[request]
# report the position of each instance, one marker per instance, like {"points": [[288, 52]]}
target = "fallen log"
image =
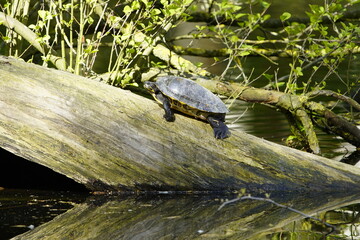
{"points": [[111, 139]]}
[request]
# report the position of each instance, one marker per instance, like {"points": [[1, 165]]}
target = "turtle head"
{"points": [[151, 87]]}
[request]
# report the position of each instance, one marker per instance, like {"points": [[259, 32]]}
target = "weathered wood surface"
{"points": [[190, 217], [110, 139]]}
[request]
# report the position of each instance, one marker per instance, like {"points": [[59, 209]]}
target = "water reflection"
{"points": [[21, 210], [186, 217]]}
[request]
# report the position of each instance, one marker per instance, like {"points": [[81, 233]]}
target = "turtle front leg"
{"points": [[221, 131], [169, 113]]}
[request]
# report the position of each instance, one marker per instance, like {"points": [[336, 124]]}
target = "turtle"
{"points": [[188, 97]]}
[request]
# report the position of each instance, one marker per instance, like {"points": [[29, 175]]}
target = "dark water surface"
{"points": [[23, 210]]}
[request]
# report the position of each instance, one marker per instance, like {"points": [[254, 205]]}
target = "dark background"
{"points": [[19, 173]]}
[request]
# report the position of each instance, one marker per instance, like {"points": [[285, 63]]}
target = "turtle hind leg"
{"points": [[221, 131]]}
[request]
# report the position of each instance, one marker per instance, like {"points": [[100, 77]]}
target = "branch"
{"points": [[273, 22], [334, 123], [329, 93], [31, 37], [177, 61], [294, 105], [225, 52]]}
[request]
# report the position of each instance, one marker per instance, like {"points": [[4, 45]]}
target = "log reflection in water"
{"points": [[181, 217]]}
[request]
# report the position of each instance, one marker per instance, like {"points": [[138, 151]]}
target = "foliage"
{"points": [[315, 46], [323, 41], [79, 29]]}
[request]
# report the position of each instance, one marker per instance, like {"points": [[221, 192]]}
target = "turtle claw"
{"points": [[221, 132], [169, 117]]}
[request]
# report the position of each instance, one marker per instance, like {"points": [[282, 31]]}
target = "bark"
{"points": [[336, 95], [111, 139], [331, 122]]}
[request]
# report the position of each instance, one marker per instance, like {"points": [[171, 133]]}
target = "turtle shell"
{"points": [[190, 93]]}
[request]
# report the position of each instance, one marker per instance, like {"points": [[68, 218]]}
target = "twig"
{"points": [[333, 228]]}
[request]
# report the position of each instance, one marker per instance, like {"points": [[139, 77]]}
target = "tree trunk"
{"points": [[111, 139]]}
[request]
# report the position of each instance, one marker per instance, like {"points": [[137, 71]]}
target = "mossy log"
{"points": [[111, 139]]}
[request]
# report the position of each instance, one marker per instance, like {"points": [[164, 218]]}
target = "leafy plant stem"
{"points": [[80, 38]]}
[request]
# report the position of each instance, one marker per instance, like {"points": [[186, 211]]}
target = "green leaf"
{"points": [[42, 14], [90, 20], [135, 5], [127, 9], [268, 76], [285, 16], [155, 11], [298, 71], [244, 53], [265, 4], [234, 39], [32, 26], [45, 15], [279, 84], [6, 39], [291, 137], [240, 15]]}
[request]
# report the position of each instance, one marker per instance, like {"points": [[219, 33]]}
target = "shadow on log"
{"points": [[111, 139], [189, 217]]}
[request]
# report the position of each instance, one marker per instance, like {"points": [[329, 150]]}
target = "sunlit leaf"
{"points": [[285, 16], [127, 9]]}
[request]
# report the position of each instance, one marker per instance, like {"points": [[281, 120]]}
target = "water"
{"points": [[23, 210], [165, 216]]}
